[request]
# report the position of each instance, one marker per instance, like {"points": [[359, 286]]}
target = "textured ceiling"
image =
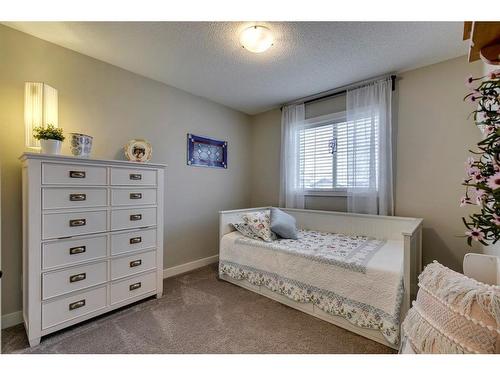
{"points": [[205, 58]]}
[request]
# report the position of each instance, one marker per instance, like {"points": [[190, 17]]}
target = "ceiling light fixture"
{"points": [[256, 39]]}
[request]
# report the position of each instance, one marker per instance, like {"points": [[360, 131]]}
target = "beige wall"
{"points": [[433, 136], [266, 140], [115, 106]]}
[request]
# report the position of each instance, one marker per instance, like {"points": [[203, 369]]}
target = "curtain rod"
{"points": [[341, 90]]}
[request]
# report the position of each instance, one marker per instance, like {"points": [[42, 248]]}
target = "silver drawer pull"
{"points": [[135, 217], [135, 240], [77, 222], [76, 278], [76, 174], [135, 263], [77, 197], [135, 195], [135, 176], [77, 250], [76, 305], [135, 286]]}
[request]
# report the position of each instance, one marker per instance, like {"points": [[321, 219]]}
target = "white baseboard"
{"points": [[186, 267], [9, 320]]}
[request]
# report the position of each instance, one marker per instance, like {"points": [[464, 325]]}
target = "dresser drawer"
{"points": [[74, 197], [133, 218], [67, 252], [132, 264], [132, 287], [65, 309], [59, 225], [133, 241], [74, 278], [129, 176], [74, 174], [122, 197]]}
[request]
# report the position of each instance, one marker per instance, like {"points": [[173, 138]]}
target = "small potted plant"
{"points": [[50, 138]]}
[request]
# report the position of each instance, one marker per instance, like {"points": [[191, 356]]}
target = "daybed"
{"points": [[355, 271]]}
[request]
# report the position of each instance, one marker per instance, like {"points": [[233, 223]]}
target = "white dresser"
{"points": [[92, 238]]}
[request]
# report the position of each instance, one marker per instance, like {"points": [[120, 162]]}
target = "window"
{"points": [[327, 150]]}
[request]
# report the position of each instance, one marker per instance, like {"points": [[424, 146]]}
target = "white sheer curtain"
{"points": [[291, 193], [369, 153]]}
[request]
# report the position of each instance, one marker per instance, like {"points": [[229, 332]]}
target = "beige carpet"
{"points": [[199, 314]]}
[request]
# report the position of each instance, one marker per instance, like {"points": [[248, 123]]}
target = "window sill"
{"points": [[326, 193]]}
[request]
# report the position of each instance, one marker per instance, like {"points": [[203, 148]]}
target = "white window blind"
{"points": [[326, 151]]}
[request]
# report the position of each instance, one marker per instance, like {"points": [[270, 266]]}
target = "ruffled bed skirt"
{"points": [[359, 314]]}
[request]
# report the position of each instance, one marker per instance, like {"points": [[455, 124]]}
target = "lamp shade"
{"points": [[40, 109]]}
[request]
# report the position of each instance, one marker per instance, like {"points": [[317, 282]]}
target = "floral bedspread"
{"points": [[354, 277], [347, 251]]}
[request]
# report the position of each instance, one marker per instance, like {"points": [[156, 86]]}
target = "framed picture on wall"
{"points": [[206, 152]]}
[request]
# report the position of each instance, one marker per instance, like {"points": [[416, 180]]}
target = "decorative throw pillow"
{"points": [[282, 224], [245, 230], [260, 224], [453, 314]]}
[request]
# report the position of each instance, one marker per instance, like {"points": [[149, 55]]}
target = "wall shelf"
{"points": [[484, 41]]}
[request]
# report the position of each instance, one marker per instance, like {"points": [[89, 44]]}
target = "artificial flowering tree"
{"points": [[483, 166]]}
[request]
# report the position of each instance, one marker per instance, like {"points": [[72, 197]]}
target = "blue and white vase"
{"points": [[80, 144]]}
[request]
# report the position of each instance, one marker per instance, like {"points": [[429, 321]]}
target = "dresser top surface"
{"points": [[72, 159]]}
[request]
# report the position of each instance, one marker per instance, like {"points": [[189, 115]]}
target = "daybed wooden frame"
{"points": [[409, 230]]}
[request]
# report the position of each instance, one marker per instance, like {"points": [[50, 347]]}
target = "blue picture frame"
{"points": [[206, 152]]}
